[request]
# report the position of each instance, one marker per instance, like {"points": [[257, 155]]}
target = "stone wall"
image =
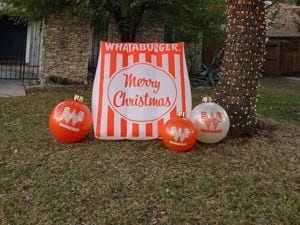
{"points": [[193, 55], [152, 30], [113, 34], [65, 47], [66, 40]]}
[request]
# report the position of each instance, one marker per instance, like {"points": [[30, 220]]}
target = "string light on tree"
{"points": [[242, 63]]}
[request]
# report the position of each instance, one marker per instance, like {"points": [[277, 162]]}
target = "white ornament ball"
{"points": [[211, 122]]}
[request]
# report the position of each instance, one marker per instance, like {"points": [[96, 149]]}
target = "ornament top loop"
{"points": [[207, 99], [181, 114], [78, 98]]}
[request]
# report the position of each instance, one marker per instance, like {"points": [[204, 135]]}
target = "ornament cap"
{"points": [[207, 99], [78, 98], [181, 114]]}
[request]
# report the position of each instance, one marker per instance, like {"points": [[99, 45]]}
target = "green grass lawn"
{"points": [[280, 99], [237, 181]]}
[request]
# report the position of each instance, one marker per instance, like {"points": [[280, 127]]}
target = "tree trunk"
{"points": [[242, 64], [128, 20]]}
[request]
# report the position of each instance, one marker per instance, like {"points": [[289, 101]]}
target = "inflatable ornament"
{"points": [[71, 120], [179, 133], [210, 120]]}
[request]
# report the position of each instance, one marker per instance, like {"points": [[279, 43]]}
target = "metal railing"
{"points": [[18, 70], [20, 54]]}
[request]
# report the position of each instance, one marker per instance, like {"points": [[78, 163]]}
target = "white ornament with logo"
{"points": [[211, 121]]}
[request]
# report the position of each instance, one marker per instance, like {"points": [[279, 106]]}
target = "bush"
{"points": [[207, 75], [58, 80]]}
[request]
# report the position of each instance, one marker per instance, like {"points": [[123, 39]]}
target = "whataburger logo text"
{"points": [[142, 92], [180, 134], [71, 116], [142, 47], [211, 121]]}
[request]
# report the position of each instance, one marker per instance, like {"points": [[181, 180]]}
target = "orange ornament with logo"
{"points": [[179, 133], [71, 120]]}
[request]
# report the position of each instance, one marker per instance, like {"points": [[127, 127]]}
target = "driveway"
{"points": [[10, 88]]}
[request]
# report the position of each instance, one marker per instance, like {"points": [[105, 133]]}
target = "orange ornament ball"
{"points": [[179, 133], [71, 120]]}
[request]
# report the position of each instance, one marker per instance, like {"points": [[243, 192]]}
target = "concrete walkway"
{"points": [[10, 88]]}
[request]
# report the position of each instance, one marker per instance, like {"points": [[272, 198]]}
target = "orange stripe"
{"points": [[149, 126], [136, 57], [123, 121], [182, 79], [135, 126], [113, 64], [125, 60], [110, 122], [173, 112], [149, 130], [172, 72], [160, 123], [110, 113], [101, 78], [159, 60], [135, 130], [148, 57], [123, 128], [171, 65]]}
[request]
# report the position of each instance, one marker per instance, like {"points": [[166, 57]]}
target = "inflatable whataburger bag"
{"points": [[137, 88]]}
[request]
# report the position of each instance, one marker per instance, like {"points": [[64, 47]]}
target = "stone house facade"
{"points": [[66, 43], [63, 45]]}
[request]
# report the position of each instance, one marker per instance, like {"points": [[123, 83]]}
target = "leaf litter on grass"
{"points": [[236, 181]]}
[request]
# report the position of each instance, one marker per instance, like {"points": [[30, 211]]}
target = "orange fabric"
{"points": [[99, 116]]}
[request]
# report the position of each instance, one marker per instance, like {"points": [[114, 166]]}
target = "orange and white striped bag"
{"points": [[137, 88]]}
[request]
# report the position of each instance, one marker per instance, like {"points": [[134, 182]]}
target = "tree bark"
{"points": [[241, 65]]}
